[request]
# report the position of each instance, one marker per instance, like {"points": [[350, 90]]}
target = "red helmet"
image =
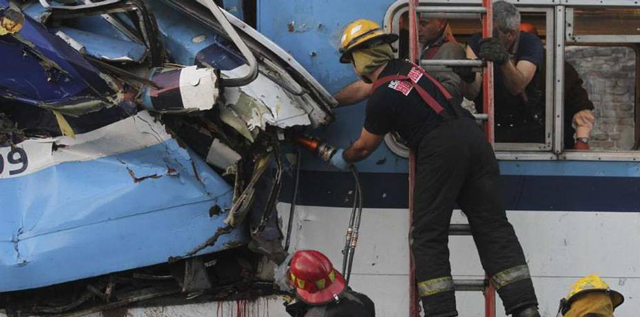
{"points": [[314, 278]]}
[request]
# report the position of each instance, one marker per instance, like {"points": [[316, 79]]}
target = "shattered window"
{"points": [[609, 76]]}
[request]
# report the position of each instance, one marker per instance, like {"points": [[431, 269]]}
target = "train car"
{"points": [[575, 212]]}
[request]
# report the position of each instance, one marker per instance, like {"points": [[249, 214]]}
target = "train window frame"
{"points": [[570, 38], [560, 7], [509, 151]]}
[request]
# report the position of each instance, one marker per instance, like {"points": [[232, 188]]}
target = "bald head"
{"points": [[430, 29]]}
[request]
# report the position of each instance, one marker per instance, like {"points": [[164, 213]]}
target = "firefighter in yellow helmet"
{"points": [[454, 163], [360, 44], [590, 297]]}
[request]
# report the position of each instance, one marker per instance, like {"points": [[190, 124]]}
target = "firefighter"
{"points": [[455, 164], [590, 297], [321, 290], [436, 42]]}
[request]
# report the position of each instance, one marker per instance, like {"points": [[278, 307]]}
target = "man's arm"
{"points": [[471, 90], [353, 93], [577, 103], [450, 80], [362, 147], [516, 78]]}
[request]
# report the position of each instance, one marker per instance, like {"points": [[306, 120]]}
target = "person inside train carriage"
{"points": [[436, 42], [578, 118], [455, 164], [517, 57], [321, 291]]}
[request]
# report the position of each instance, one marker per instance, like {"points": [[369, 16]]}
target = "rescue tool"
{"points": [[325, 151]]}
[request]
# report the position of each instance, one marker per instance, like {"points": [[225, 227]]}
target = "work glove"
{"points": [[465, 72], [579, 145], [492, 50], [338, 161]]}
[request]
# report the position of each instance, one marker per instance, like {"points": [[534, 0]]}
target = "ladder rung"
{"points": [[468, 285], [441, 69], [442, 65], [459, 229], [450, 15], [442, 9], [451, 62]]}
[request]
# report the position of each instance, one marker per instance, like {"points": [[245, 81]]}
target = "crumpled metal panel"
{"points": [[275, 89], [120, 197], [51, 73], [105, 47]]}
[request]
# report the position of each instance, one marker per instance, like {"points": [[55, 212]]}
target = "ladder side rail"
{"points": [[488, 108], [413, 56]]}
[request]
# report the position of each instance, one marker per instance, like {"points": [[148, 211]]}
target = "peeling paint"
{"points": [[210, 242], [45, 62], [16, 247], [196, 174], [215, 210], [199, 39], [140, 179]]}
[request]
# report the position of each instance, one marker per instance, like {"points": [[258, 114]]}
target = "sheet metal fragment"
{"points": [[181, 90], [221, 155]]}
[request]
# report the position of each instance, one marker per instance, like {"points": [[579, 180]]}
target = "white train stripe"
{"points": [[130, 134]]}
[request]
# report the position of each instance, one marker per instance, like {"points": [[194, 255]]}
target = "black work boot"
{"points": [[531, 311]]}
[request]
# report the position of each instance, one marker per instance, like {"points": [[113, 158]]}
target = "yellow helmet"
{"points": [[593, 283], [362, 33]]}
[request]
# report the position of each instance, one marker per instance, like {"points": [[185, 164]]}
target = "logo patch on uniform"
{"points": [[415, 75], [401, 86]]}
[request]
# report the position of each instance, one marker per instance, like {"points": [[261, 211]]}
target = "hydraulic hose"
{"points": [[325, 151], [292, 209], [351, 240]]}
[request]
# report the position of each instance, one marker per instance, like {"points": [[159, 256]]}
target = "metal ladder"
{"points": [[486, 13]]}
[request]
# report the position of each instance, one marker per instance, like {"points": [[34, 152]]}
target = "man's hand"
{"points": [[492, 50], [337, 160], [583, 123]]}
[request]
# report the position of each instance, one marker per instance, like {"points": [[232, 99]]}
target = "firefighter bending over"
{"points": [[321, 290], [436, 42], [455, 164]]}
